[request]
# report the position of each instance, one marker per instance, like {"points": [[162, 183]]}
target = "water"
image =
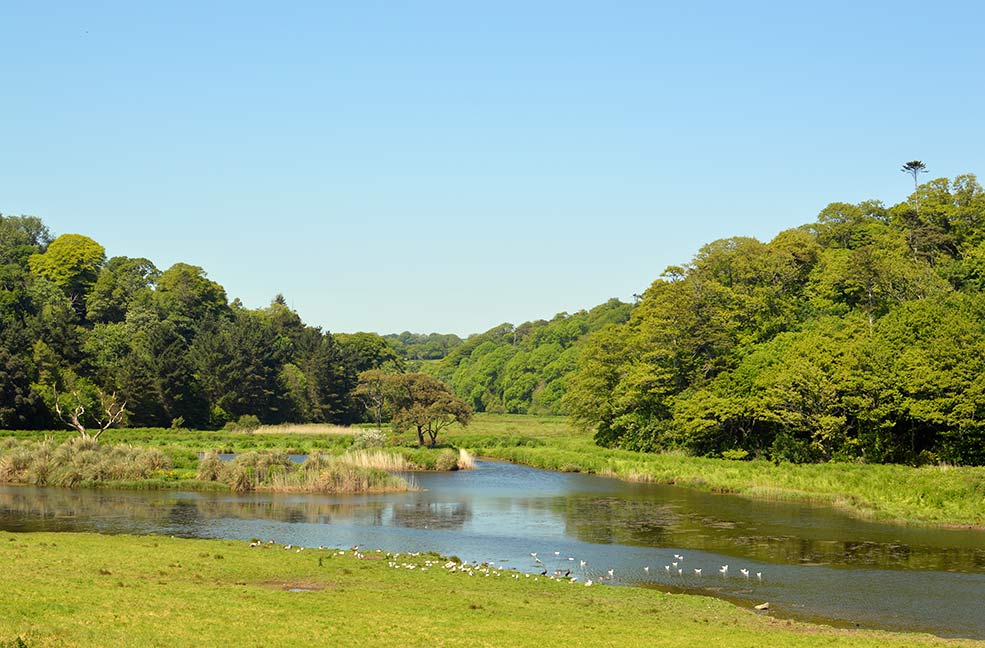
{"points": [[816, 564]]}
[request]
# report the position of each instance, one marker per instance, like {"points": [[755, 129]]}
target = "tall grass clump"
{"points": [[465, 460], [76, 462], [377, 459]]}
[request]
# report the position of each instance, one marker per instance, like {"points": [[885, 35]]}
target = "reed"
{"points": [[465, 460], [304, 428], [377, 459]]}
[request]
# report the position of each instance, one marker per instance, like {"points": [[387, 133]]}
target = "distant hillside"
{"points": [[522, 369]]}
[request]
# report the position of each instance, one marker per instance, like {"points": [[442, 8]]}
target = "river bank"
{"points": [[945, 496], [82, 589], [942, 496]]}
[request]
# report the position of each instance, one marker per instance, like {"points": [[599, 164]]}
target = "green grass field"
{"points": [[67, 589]]}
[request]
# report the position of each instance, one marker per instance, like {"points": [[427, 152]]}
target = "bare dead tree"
{"points": [[112, 413]]}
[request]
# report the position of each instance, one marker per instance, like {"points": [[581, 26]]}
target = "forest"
{"points": [[859, 337], [81, 330]]}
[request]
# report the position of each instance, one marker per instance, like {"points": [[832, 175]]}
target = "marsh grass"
{"points": [[273, 471], [465, 460], [377, 459], [305, 428], [337, 477], [77, 461], [928, 495]]}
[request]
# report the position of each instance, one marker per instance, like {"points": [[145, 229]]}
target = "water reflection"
{"points": [[816, 563]]}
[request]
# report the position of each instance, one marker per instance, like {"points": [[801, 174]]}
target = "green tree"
{"points": [[72, 263], [425, 404]]}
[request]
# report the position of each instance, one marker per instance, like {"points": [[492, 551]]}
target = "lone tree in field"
{"points": [[915, 168], [424, 403]]}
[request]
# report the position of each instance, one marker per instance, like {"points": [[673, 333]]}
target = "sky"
{"points": [[450, 166]]}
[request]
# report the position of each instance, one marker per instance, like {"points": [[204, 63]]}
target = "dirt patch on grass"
{"points": [[298, 585]]}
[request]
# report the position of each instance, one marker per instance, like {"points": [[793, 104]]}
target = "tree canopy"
{"points": [[857, 337]]}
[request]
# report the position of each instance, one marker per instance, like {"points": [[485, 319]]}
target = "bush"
{"points": [[365, 439], [447, 459], [248, 423], [736, 454]]}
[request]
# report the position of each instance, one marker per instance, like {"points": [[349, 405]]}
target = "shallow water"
{"points": [[815, 563]]}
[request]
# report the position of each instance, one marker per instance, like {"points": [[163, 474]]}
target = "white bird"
{"points": [[680, 572], [582, 563], [533, 554], [646, 569], [724, 570], [588, 583], [667, 568], [674, 565], [557, 553], [697, 572], [744, 572], [759, 575], [610, 573]]}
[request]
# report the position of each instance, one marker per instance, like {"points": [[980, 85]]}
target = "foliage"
{"points": [[522, 369], [855, 338], [426, 405], [166, 343]]}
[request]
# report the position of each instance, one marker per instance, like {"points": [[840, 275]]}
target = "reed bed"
{"points": [[273, 471], [304, 428], [378, 459], [77, 462]]}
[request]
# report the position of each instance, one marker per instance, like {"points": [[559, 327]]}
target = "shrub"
{"points": [[364, 439], [247, 423], [737, 454], [447, 459]]}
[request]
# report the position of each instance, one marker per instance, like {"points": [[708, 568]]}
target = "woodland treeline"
{"points": [[860, 336], [77, 328], [523, 369]]}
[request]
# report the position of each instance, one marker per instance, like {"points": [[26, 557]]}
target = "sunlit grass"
{"points": [[73, 590]]}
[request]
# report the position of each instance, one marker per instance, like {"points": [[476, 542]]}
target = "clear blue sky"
{"points": [[448, 166]]}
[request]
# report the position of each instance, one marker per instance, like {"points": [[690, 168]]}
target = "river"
{"points": [[813, 563]]}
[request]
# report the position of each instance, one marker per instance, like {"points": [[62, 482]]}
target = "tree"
{"points": [[426, 404], [915, 168], [111, 412], [374, 391], [185, 294], [72, 262]]}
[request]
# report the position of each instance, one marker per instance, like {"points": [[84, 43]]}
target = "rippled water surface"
{"points": [[814, 563]]}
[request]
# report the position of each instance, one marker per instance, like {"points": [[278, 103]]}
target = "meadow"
{"points": [[78, 589]]}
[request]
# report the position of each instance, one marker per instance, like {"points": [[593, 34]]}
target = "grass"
{"points": [[70, 590], [929, 495]]}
